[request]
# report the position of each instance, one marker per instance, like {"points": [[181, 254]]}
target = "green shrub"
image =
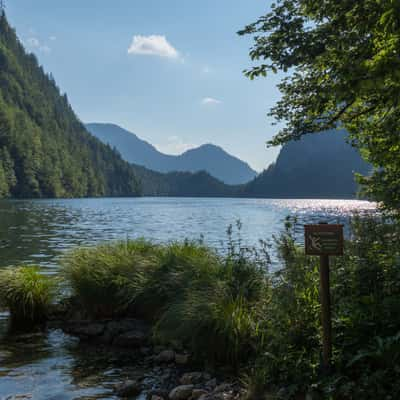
{"points": [[27, 294], [365, 293], [231, 309], [189, 291], [213, 312], [106, 279]]}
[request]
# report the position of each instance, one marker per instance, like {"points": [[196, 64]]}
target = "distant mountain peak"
{"points": [[208, 157]]}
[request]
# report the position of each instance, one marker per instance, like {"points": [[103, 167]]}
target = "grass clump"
{"points": [[365, 294], [230, 309], [106, 280], [187, 290], [27, 294]]}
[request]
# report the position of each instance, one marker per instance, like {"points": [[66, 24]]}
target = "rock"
{"points": [[165, 356], [145, 351], [85, 329], [155, 397], [134, 338], [224, 387], [158, 349], [216, 396], [206, 376], [128, 388], [182, 359], [197, 393], [191, 378], [182, 392], [161, 394], [211, 384]]}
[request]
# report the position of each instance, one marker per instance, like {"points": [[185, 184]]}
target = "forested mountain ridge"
{"points": [[45, 151], [316, 166], [182, 184], [208, 157]]}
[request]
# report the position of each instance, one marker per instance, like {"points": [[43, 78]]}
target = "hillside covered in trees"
{"points": [[317, 166], [45, 151], [207, 157]]}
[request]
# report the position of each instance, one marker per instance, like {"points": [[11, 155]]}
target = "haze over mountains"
{"points": [[45, 151], [317, 166], [208, 157]]}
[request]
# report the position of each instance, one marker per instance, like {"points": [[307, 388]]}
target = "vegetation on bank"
{"points": [[232, 310], [45, 151], [27, 294], [342, 70]]}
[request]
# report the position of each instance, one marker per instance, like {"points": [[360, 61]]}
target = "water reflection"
{"points": [[38, 231], [52, 365]]}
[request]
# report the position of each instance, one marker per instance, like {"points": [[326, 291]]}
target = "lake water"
{"points": [[39, 231], [53, 366]]}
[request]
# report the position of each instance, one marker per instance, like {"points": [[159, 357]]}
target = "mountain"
{"points": [[182, 184], [316, 166], [209, 158], [45, 151]]}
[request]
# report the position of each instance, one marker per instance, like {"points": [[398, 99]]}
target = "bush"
{"points": [[365, 293], [27, 294], [230, 309], [187, 290], [106, 280]]}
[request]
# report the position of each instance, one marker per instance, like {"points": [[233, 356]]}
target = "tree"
{"points": [[342, 59]]}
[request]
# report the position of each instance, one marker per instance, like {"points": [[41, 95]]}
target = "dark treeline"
{"points": [[45, 151]]}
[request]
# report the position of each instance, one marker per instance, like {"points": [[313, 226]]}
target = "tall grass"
{"points": [[27, 294], [230, 309], [189, 291], [107, 279]]}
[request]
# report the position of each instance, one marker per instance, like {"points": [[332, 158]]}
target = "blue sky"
{"points": [[169, 71]]}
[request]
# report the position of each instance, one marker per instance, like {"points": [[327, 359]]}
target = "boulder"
{"points": [[160, 393], [128, 388], [165, 356], [223, 387], [85, 329], [211, 384], [182, 392], [132, 339], [181, 359], [191, 378], [197, 393]]}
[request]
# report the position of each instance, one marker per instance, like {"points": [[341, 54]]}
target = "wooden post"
{"points": [[324, 240], [326, 312]]}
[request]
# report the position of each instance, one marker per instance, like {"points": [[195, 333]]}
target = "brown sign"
{"points": [[324, 240]]}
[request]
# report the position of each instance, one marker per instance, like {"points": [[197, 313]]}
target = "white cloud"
{"points": [[34, 43], [45, 49], [206, 69], [210, 101], [52, 38], [174, 145], [153, 45]]}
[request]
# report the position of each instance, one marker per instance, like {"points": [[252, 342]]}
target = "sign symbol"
{"points": [[315, 242]]}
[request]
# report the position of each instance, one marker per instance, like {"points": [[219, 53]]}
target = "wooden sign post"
{"points": [[324, 240]]}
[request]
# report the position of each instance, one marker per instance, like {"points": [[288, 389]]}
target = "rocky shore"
{"points": [[173, 374]]}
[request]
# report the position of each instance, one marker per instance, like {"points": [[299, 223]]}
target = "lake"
{"points": [[39, 231], [53, 366]]}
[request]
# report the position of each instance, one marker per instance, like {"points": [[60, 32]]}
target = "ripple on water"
{"points": [[52, 366]]}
